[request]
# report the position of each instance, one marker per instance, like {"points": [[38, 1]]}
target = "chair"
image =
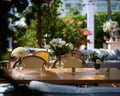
{"points": [[69, 62], [43, 54], [33, 62], [81, 56]]}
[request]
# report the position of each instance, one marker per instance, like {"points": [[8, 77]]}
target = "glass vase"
{"points": [[59, 65], [19, 65], [111, 37]]}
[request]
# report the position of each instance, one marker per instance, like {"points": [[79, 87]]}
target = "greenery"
{"points": [[71, 28], [63, 29], [75, 29]]}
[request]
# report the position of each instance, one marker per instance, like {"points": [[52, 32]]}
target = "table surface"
{"points": [[80, 76]]}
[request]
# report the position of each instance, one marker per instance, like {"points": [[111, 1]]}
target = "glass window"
{"points": [[73, 0], [119, 7], [115, 0], [114, 7], [102, 7], [67, 6], [79, 7], [100, 0]]}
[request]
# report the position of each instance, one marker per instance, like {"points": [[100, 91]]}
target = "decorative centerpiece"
{"points": [[96, 59], [110, 27], [19, 53], [60, 47]]}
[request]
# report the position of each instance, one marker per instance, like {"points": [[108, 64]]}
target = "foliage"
{"points": [[61, 28], [28, 36], [47, 14], [71, 29], [54, 26], [75, 30], [99, 19], [51, 24]]}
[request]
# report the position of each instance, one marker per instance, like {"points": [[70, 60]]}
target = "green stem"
{"points": [[59, 59]]}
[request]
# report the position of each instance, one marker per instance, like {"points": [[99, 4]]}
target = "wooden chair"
{"points": [[80, 55], [43, 54], [33, 62], [69, 62]]}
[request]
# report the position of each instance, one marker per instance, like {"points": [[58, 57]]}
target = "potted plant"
{"points": [[111, 27], [96, 59]]}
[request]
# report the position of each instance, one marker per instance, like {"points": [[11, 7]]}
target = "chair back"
{"points": [[33, 62], [81, 56], [43, 54], [71, 61]]}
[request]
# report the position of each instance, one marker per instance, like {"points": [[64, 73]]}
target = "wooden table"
{"points": [[81, 76]]}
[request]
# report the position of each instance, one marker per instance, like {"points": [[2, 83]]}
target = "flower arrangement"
{"points": [[19, 52], [60, 47], [110, 26], [94, 57]]}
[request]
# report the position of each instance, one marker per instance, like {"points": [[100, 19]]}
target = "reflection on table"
{"points": [[80, 76]]}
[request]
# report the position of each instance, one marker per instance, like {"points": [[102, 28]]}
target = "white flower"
{"points": [[70, 46], [110, 26], [19, 52], [47, 46], [60, 47], [57, 42], [61, 43], [98, 61]]}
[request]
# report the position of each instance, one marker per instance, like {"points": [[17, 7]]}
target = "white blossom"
{"points": [[20, 23], [110, 26], [98, 61], [57, 42], [60, 46], [70, 46], [19, 52]]}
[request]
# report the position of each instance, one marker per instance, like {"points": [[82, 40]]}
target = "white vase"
{"points": [[111, 37]]}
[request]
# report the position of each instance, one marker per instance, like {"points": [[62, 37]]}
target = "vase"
{"points": [[96, 66], [19, 65], [59, 65], [111, 37]]}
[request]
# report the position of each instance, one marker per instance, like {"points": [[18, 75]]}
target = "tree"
{"points": [[109, 9], [46, 16]]}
